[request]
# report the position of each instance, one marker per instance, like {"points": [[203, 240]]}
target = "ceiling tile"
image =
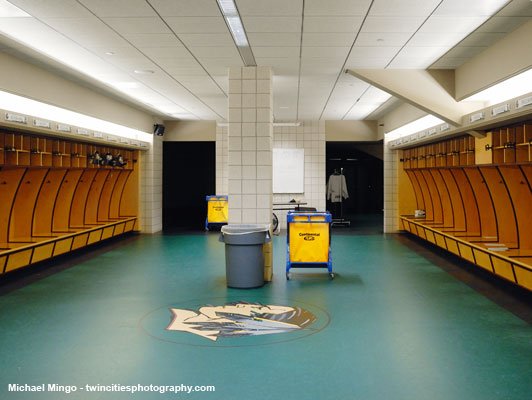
{"points": [[471, 8], [367, 63], [119, 8], [436, 39], [272, 24], [502, 24], [336, 7], [176, 62], [118, 51], [265, 51], [392, 24], [438, 23], [196, 70], [166, 52], [332, 24], [281, 66], [52, 8], [274, 39], [373, 52], [86, 31], [186, 8], [382, 39], [270, 7], [405, 8], [137, 25], [402, 62], [328, 39], [153, 39], [424, 51], [197, 24], [311, 69], [337, 52], [222, 62], [215, 51], [207, 39]]}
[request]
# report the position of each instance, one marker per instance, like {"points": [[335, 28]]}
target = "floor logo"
{"points": [[234, 322], [240, 319]]}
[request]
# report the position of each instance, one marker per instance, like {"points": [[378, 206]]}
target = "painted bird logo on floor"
{"points": [[240, 319]]}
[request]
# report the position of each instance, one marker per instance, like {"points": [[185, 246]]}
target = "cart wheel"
{"points": [[331, 275], [287, 276]]}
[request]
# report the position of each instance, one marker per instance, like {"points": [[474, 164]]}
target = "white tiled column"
{"points": [[151, 192], [391, 207], [250, 145], [221, 160]]}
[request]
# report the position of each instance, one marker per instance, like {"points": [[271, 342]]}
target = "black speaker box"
{"points": [[158, 129]]}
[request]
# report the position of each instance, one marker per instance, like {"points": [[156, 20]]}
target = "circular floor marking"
{"points": [[231, 321]]}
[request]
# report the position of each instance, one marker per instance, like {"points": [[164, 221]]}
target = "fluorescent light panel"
{"points": [[234, 22], [415, 126], [23, 105], [508, 89]]}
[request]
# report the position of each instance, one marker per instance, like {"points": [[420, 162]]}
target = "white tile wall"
{"points": [[151, 194], [310, 135], [222, 146], [391, 212], [248, 153]]}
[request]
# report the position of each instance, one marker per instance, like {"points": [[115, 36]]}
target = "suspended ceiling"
{"points": [[309, 44]]}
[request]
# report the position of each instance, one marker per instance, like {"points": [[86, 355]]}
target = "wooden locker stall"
{"points": [[54, 198], [477, 199]]}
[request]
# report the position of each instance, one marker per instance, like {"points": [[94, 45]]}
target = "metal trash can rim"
{"points": [[242, 229]]}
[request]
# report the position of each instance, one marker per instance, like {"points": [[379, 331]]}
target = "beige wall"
{"points": [[402, 115], [190, 131], [351, 131], [27, 80], [505, 58]]}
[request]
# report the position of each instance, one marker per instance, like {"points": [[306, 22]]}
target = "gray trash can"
{"points": [[244, 260]]}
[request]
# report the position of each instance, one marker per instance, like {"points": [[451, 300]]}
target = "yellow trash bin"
{"points": [[217, 211], [309, 240]]}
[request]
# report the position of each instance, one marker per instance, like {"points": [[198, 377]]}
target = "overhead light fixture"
{"points": [[234, 23], [415, 126], [23, 105], [110, 53], [144, 71], [8, 10], [510, 88]]}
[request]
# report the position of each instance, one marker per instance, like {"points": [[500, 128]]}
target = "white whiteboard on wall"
{"points": [[288, 170]]}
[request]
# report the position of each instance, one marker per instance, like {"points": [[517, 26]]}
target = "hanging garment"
{"points": [[336, 188]]}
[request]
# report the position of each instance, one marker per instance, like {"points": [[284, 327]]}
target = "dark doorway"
{"points": [[188, 176], [363, 170]]}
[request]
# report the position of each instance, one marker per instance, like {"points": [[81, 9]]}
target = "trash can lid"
{"points": [[234, 229]]}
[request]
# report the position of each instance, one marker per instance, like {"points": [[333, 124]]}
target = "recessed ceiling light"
{"points": [[143, 71], [110, 53]]}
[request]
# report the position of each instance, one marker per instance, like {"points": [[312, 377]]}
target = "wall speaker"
{"points": [[158, 129]]}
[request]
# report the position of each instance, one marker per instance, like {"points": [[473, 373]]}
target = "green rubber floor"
{"points": [[390, 326]]}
